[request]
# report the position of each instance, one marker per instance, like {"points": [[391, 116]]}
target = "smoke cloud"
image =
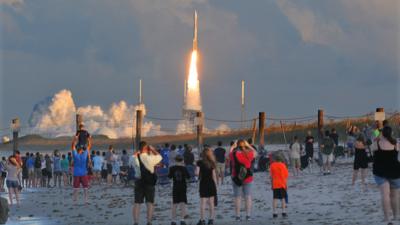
{"points": [[55, 116]]}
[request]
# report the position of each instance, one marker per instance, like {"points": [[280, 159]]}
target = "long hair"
{"points": [[13, 160], [387, 133], [208, 159]]}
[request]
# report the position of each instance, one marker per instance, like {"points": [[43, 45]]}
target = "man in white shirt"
{"points": [[295, 149], [144, 162]]}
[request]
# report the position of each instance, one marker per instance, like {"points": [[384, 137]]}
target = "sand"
{"points": [[313, 199]]}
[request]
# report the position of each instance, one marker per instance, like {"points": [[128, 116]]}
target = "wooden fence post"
{"points": [[261, 128], [199, 131], [139, 121], [15, 128]]}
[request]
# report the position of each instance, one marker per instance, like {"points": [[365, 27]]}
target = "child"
{"points": [[279, 174], [179, 174]]}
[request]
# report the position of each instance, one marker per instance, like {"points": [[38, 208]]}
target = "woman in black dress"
{"points": [[360, 161], [205, 170]]}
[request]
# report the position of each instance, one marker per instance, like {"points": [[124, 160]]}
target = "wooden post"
{"points": [[15, 129], [78, 120], [254, 128], [320, 125], [199, 125], [261, 128], [139, 121]]}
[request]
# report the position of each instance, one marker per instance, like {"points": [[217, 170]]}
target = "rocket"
{"points": [[195, 32]]}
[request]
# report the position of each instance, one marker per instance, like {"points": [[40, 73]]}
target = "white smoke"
{"points": [[222, 128], [55, 116], [5, 140]]}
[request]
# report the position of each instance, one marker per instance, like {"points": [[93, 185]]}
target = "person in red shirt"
{"points": [[279, 175], [242, 154]]}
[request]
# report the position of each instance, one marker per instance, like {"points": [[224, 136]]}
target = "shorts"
{"points": [[179, 196], [394, 183], [38, 173], [221, 169], [3, 174], [245, 189], [279, 193], [78, 180], [12, 184], [31, 172], [48, 173], [144, 192], [109, 169], [104, 174], [325, 158], [363, 164], [295, 162], [57, 173]]}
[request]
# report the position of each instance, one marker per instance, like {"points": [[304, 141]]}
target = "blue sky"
{"points": [[296, 55]]}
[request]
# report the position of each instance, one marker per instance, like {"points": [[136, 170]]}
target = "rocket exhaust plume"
{"points": [[193, 99]]}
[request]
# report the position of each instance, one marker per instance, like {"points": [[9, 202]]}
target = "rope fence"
{"points": [[156, 125]]}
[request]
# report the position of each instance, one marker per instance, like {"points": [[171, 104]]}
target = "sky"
{"points": [[295, 55]]}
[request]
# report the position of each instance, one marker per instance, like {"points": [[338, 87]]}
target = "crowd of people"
{"points": [[149, 166]]}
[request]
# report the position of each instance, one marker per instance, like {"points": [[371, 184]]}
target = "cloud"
{"points": [[13, 3], [312, 28], [357, 28]]}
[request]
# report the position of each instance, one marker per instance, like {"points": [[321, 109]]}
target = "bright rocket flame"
{"points": [[193, 79], [193, 99]]}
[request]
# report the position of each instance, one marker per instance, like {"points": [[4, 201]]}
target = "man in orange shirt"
{"points": [[279, 174]]}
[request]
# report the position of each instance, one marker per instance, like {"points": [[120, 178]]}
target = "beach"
{"points": [[313, 199]]}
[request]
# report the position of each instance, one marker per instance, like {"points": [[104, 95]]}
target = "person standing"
{"points": [[64, 168], [295, 150], [335, 137], [124, 161], [25, 171], [241, 157], [80, 159], [38, 170], [97, 167], [165, 155], [220, 157], [30, 163], [109, 162], [309, 147], [57, 168], [327, 147], [179, 174], [386, 170], [48, 169], [144, 162], [279, 174], [205, 170], [13, 169], [360, 161], [188, 159]]}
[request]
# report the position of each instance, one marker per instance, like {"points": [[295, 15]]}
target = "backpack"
{"points": [[241, 171], [38, 163], [146, 178]]}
